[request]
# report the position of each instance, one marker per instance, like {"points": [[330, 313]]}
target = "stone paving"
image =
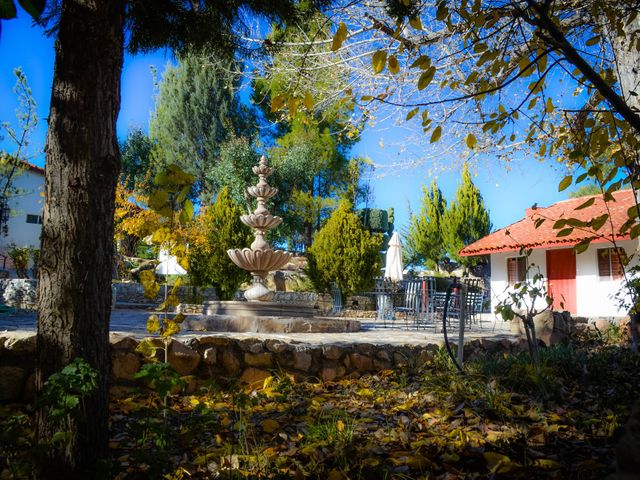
{"points": [[133, 322]]}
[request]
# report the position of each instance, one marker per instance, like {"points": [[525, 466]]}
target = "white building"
{"points": [[25, 217], [584, 284]]}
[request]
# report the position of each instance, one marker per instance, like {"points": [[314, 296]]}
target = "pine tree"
{"points": [[425, 239], [222, 229], [344, 252], [466, 221]]}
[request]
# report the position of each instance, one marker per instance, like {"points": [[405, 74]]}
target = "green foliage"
{"points": [[20, 258], [161, 377], [222, 230], [136, 168], [425, 240], [196, 111], [345, 252], [375, 219], [64, 391], [466, 220]]}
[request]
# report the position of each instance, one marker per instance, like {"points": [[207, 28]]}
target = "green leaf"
{"points": [[426, 77], [598, 222], [471, 141], [564, 232], [565, 182], [32, 7], [549, 106], [378, 61], [593, 40], [582, 245], [339, 37], [416, 23], [394, 66], [435, 136], [422, 61], [7, 9], [586, 204], [412, 113], [442, 12]]}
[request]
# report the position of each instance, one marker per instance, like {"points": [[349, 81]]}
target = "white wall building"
{"points": [[584, 284], [25, 218]]}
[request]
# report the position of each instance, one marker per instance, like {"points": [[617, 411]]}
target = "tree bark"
{"points": [[82, 165]]}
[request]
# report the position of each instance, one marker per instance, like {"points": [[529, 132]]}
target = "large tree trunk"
{"points": [[82, 165]]}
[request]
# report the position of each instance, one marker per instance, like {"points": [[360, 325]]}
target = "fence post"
{"points": [[463, 321]]}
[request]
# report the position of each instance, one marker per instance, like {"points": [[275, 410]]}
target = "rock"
{"points": [[400, 360], [230, 362], [361, 363], [276, 346], [121, 391], [328, 374], [258, 359], [184, 359], [214, 341], [551, 327], [602, 324], [379, 365], [11, 383], [383, 355], [251, 345], [301, 361], [209, 356], [254, 377], [625, 328], [21, 343], [122, 342], [332, 352], [124, 365]]}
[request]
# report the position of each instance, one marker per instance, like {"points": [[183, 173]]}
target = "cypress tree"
{"points": [[425, 239], [345, 252], [222, 229], [466, 221]]}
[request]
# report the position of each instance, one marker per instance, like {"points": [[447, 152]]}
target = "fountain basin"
{"points": [[271, 324]]}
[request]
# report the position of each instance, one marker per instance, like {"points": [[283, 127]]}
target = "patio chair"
{"points": [[337, 299], [410, 303]]}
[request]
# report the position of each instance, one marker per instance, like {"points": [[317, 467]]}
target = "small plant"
{"points": [[20, 258], [522, 302]]}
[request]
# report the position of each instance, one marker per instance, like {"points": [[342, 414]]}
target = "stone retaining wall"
{"points": [[250, 360], [133, 293]]}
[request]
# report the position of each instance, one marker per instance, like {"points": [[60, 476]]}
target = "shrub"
{"points": [[20, 258], [344, 252], [221, 229]]}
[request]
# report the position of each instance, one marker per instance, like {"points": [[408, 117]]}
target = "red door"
{"points": [[561, 278]]}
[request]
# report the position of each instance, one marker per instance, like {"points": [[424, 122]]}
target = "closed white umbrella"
{"points": [[393, 264], [169, 265]]}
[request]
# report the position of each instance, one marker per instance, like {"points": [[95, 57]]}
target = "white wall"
{"points": [[594, 296], [28, 201], [499, 279]]}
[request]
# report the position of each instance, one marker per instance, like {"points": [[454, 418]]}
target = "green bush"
{"points": [[345, 252], [209, 263], [20, 259]]}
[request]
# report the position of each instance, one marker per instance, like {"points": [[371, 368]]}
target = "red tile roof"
{"points": [[525, 234]]}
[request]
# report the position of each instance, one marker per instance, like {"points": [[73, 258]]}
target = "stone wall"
{"points": [[250, 360], [133, 293]]}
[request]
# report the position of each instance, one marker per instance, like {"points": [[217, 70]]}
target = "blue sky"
{"points": [[507, 192]]}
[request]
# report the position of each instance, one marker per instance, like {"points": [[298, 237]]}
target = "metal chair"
{"points": [[337, 299], [410, 302]]}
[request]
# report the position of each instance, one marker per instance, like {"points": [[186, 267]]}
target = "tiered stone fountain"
{"points": [[259, 313]]}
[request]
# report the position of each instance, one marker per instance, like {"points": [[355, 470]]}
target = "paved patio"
{"points": [[133, 322]]}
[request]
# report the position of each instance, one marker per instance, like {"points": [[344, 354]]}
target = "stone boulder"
{"points": [[551, 327], [11, 383], [184, 359]]}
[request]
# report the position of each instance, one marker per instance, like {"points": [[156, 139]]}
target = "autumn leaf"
{"points": [[379, 61], [270, 426]]}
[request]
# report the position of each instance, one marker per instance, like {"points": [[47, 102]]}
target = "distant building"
{"points": [[585, 283], [25, 213]]}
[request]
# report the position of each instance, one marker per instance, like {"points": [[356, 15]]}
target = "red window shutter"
{"points": [[512, 270], [522, 269], [604, 264], [618, 259]]}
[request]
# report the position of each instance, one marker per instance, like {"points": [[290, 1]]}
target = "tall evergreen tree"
{"points": [[221, 229], [83, 165], [135, 171], [466, 221], [426, 237], [196, 111]]}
